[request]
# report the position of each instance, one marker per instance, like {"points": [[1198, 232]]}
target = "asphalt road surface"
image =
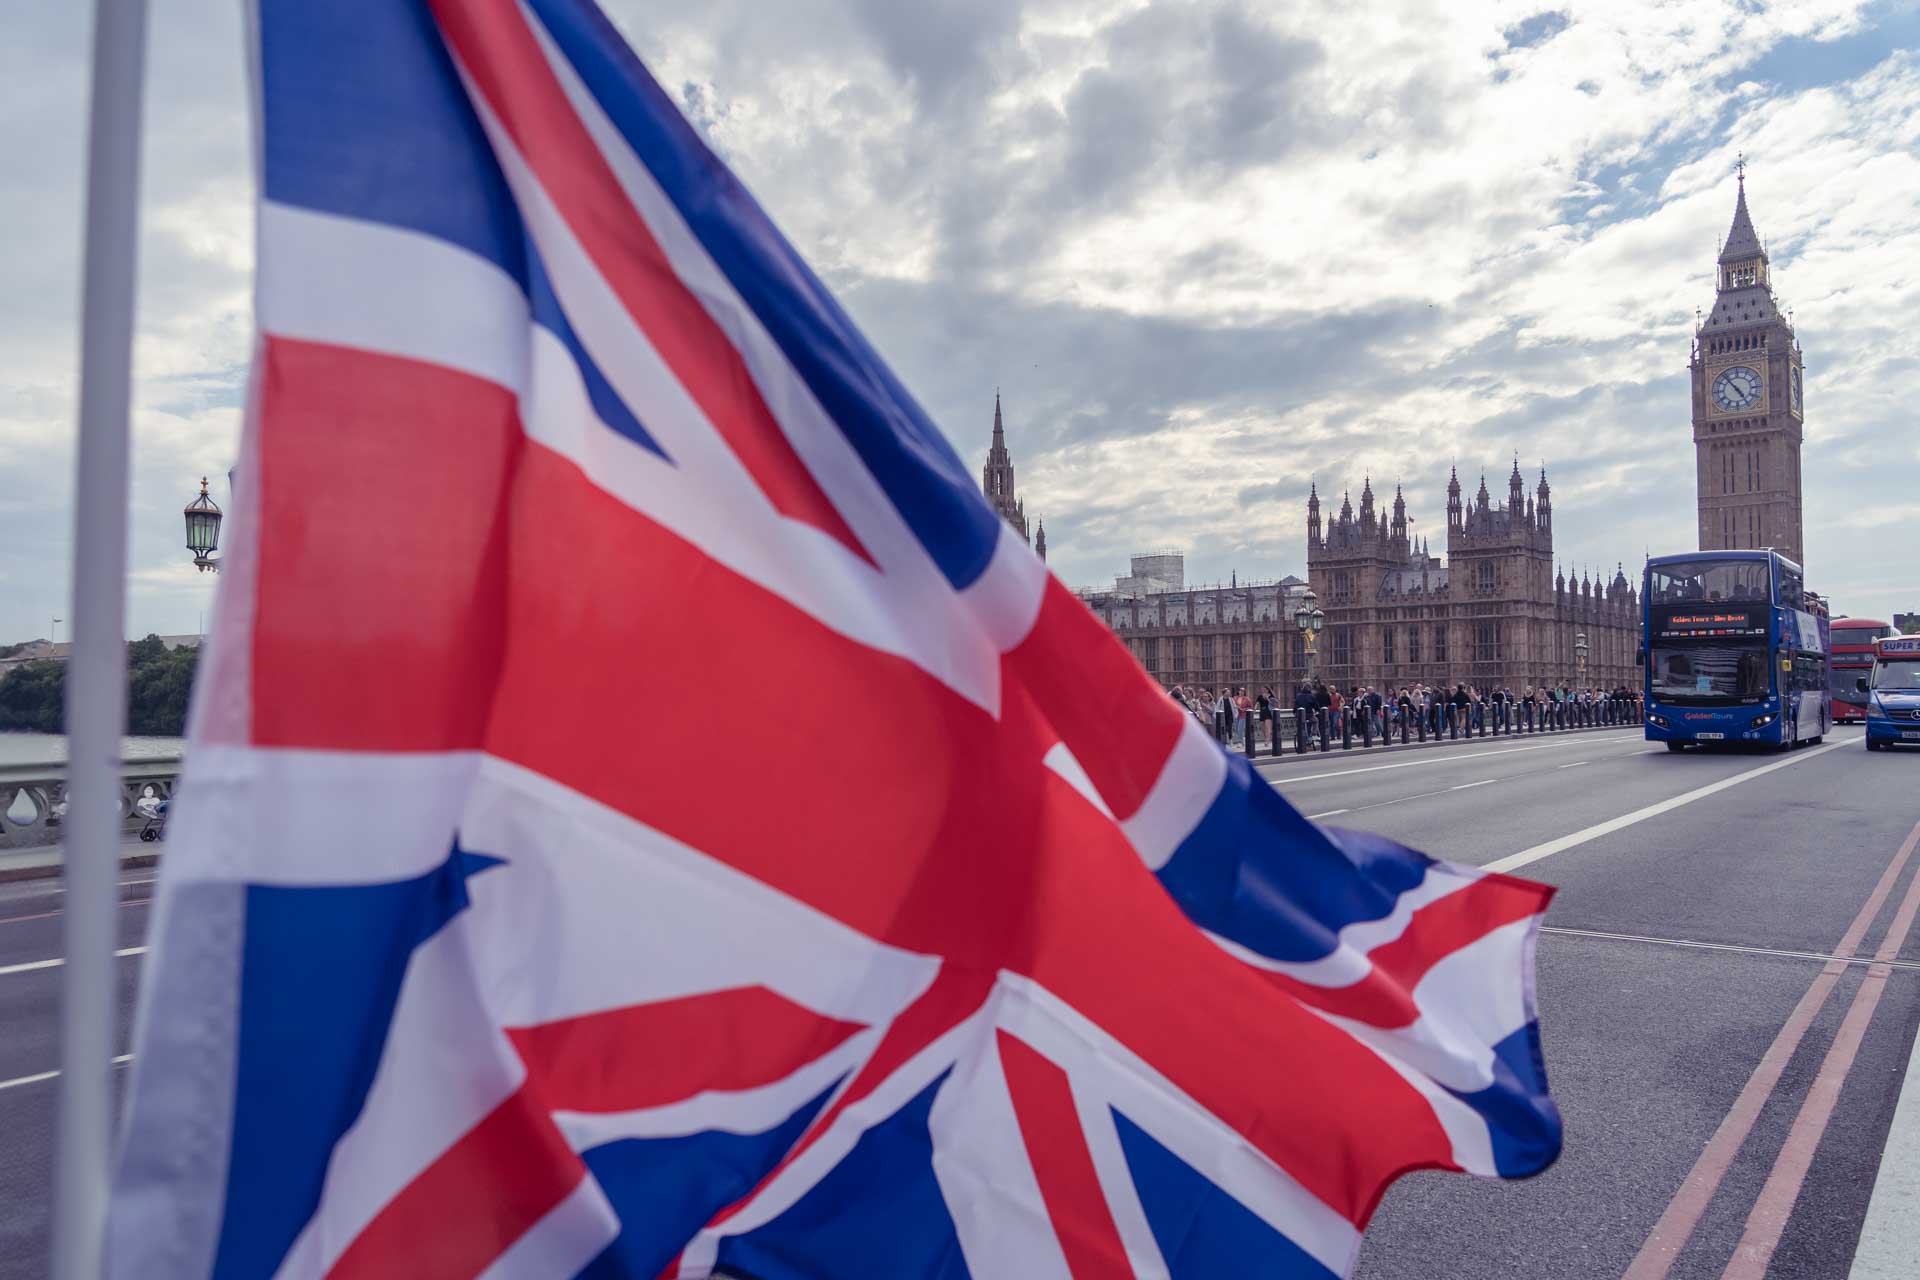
{"points": [[1727, 1085]]}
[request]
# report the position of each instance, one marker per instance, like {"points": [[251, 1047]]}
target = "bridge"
{"points": [[1729, 986]]}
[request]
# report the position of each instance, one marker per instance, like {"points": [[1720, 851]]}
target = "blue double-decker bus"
{"points": [[1735, 650]]}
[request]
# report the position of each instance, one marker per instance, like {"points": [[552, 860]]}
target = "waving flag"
{"points": [[647, 816]]}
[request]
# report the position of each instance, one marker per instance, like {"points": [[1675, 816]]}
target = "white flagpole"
{"points": [[97, 671]]}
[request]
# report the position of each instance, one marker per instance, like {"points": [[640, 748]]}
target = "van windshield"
{"points": [[1896, 677]]}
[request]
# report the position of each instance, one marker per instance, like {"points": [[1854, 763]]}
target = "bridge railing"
{"points": [[33, 797]]}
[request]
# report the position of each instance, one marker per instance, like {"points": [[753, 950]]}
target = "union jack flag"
{"points": [[647, 816]]}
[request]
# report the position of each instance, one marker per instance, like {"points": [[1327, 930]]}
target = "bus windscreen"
{"points": [[1709, 582], [1706, 672]]}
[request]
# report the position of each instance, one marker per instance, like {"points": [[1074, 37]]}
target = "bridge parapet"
{"points": [[33, 797]]}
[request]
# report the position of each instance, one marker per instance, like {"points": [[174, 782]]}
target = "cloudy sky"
{"points": [[1208, 251]]}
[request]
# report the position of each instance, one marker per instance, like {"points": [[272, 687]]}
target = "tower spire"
{"points": [[1743, 242], [996, 479]]}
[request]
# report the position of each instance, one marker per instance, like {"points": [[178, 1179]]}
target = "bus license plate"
{"points": [[1710, 737], [1910, 733]]}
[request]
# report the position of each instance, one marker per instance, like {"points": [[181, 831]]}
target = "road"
{"points": [[1683, 951]]}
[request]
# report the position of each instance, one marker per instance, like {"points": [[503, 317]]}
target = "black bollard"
{"points": [[1366, 728], [1253, 740], [1346, 729]]}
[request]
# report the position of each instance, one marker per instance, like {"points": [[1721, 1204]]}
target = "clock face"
{"points": [[1736, 388]]}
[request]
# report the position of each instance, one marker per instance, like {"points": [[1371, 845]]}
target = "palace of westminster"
{"points": [[1494, 611]]}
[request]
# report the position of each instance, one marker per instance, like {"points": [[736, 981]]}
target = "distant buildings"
{"points": [[48, 651], [1907, 623]]}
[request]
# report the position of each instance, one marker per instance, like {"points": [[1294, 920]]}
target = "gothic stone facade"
{"points": [[1747, 411], [1493, 613], [1207, 637]]}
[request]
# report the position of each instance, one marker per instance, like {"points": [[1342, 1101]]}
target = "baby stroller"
{"points": [[154, 810]]}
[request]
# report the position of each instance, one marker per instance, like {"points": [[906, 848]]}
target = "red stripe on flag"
{"points": [[508, 1172], [909, 814], [649, 1055], [379, 616], [1384, 998], [1123, 736], [1057, 1147], [497, 50]]}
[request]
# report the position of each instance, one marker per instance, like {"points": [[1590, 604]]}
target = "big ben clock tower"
{"points": [[1747, 410]]}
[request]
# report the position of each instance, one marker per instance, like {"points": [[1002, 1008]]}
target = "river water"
{"points": [[37, 748]]}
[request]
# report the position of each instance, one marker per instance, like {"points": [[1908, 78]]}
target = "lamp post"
{"points": [[1580, 657], [203, 530], [1308, 617]]}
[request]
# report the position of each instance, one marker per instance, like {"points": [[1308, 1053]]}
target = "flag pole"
{"points": [[96, 692]]}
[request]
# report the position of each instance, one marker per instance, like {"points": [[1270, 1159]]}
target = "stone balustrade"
{"points": [[33, 797]]}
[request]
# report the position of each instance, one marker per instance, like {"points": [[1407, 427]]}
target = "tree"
{"points": [[159, 686], [159, 682], [31, 697]]}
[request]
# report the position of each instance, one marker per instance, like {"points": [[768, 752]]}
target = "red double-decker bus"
{"points": [[1850, 655]]}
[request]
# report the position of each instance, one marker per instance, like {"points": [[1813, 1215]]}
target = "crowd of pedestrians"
{"points": [[1324, 713]]}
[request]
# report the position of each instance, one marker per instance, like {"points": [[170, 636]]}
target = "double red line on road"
{"points": [[1768, 1217]]}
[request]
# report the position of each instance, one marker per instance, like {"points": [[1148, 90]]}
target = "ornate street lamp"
{"points": [[203, 530], [1580, 656], [1308, 617]]}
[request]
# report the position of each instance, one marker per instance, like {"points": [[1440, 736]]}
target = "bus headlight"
{"points": [[1658, 721], [1761, 722]]}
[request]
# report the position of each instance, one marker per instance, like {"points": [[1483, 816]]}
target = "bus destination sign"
{"points": [[1712, 622]]}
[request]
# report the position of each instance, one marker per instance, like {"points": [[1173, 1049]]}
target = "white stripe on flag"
{"points": [[387, 289], [985, 1171], [827, 1150], [1350, 961], [596, 883], [279, 815], [1188, 784], [1116, 1179], [744, 1111], [563, 1242], [444, 1068]]}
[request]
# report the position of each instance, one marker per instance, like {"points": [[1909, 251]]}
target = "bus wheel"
{"points": [[1872, 745], [1676, 746], [1814, 741]]}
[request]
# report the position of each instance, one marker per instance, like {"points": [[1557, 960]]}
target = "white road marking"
{"points": [[37, 1077], [1409, 764], [1611, 825], [1575, 765], [1890, 1237], [1315, 817], [1467, 786], [31, 965], [1822, 956]]}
